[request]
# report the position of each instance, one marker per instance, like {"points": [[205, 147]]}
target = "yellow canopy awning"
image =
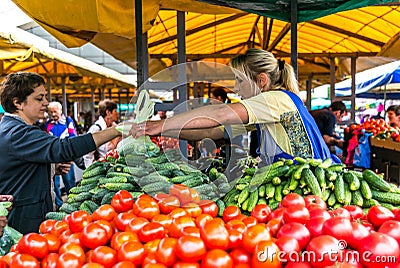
{"points": [[217, 33], [22, 51]]}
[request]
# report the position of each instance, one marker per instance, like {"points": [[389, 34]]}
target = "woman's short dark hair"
{"points": [[338, 106], [106, 105], [18, 85]]}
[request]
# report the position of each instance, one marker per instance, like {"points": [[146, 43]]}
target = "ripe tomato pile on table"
{"points": [[180, 230], [378, 127]]}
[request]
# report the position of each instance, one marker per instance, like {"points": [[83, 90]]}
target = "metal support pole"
{"points": [[92, 101], [309, 87], [141, 45], [293, 34], [64, 96], [181, 38], [332, 78], [353, 89]]}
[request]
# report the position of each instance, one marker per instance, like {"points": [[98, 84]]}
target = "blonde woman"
{"points": [[270, 104]]}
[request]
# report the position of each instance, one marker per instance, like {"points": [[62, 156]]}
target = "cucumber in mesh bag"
{"points": [[10, 235]]}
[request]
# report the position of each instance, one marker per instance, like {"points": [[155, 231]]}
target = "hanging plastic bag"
{"points": [[362, 154], [10, 235]]}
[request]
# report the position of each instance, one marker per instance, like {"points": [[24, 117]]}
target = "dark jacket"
{"points": [[26, 153]]}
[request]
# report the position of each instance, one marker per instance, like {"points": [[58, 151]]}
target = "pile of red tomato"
{"points": [[180, 231], [378, 127]]}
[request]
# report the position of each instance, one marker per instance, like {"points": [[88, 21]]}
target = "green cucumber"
{"points": [[352, 180], [311, 181], [376, 181]]}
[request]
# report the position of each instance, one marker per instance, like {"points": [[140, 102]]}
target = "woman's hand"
{"points": [[63, 168], [151, 128]]}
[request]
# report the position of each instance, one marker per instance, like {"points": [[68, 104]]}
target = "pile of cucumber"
{"points": [[136, 173], [334, 183]]}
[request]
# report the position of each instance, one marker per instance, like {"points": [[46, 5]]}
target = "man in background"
{"points": [[61, 126], [326, 119]]}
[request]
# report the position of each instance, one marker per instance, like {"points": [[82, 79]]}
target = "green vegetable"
{"points": [[311, 181], [375, 181]]}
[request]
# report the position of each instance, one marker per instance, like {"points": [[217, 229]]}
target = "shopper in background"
{"points": [[27, 152], [108, 117], [61, 126], [326, 120], [393, 114], [270, 104]]}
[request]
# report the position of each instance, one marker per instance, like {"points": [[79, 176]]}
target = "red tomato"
{"points": [[122, 201], [164, 220], [239, 255], [34, 244], [178, 212], [277, 214], [136, 224], [249, 221], [121, 220], [292, 199], [182, 192], [235, 239], [340, 228], [168, 203], [340, 213], [202, 219], [230, 213], [378, 215], [287, 244], [266, 255], [314, 225], [359, 232], [376, 247], [105, 256], [297, 231], [151, 231], [195, 195], [151, 246], [131, 251], [146, 208], [217, 258], [318, 248], [50, 261], [24, 260], [52, 241], [74, 249], [261, 212], [181, 264], [75, 238], [356, 212], [77, 220], [299, 264], [107, 226], [46, 226], [191, 230], [59, 227], [94, 235], [314, 201], [67, 260], [118, 239], [209, 207], [235, 224], [296, 213], [254, 235], [319, 213], [214, 234], [392, 228], [124, 264], [104, 212], [166, 251], [274, 225], [92, 265], [193, 209], [177, 225], [190, 248]]}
